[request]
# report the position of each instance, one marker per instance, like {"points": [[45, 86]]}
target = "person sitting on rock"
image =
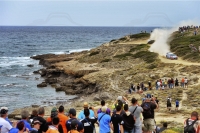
{"points": [[81, 114]]}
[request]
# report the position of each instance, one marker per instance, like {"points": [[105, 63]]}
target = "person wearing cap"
{"points": [[74, 126], [25, 116], [72, 115], [54, 113], [36, 125], [104, 121], [6, 127], [63, 118], [54, 127], [81, 114], [136, 112]]}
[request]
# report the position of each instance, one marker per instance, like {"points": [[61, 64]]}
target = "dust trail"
{"points": [[162, 35]]}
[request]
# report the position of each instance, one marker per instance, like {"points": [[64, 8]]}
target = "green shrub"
{"points": [[147, 56], [139, 47], [122, 55], [140, 35], [94, 53]]}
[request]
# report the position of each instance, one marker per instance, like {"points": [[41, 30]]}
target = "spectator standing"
{"points": [[136, 111], [186, 82], [72, 114], [182, 82], [44, 125], [129, 120], [53, 128], [177, 104], [88, 123], [193, 121], [116, 121], [104, 121], [25, 116], [103, 103], [148, 114], [6, 127], [149, 83], [81, 114], [63, 118], [36, 125], [169, 105], [176, 82]]}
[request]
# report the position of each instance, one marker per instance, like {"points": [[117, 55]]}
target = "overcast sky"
{"points": [[97, 12]]}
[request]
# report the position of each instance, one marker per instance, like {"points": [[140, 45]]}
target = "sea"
{"points": [[18, 84]]}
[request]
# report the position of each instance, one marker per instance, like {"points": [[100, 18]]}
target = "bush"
{"points": [[140, 35], [121, 56], [94, 53], [138, 47], [147, 56]]}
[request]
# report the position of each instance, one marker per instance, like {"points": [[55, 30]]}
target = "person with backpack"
{"points": [[148, 115], [88, 123], [192, 124], [128, 119], [136, 111], [169, 105]]}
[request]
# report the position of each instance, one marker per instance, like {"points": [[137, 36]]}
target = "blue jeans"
{"points": [[128, 131], [138, 129]]}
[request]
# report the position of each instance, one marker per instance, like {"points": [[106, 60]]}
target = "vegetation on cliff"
{"points": [[180, 45]]}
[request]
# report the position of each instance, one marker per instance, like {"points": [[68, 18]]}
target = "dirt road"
{"points": [[179, 61]]}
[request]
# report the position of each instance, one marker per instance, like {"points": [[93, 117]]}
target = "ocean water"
{"points": [[18, 84]]}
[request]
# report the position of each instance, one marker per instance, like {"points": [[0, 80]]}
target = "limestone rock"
{"points": [[43, 84]]}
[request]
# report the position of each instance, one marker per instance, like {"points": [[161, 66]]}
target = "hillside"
{"points": [[180, 45], [107, 71]]}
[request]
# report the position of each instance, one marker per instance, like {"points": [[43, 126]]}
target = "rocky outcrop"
{"points": [[43, 84]]}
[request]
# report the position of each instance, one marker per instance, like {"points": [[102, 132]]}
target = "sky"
{"points": [[97, 12]]}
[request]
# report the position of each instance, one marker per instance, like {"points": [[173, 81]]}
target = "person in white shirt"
{"points": [[5, 124]]}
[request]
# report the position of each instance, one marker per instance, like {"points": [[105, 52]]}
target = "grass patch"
{"points": [[94, 53], [147, 56], [180, 46], [105, 60], [139, 47], [122, 56], [140, 35]]}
